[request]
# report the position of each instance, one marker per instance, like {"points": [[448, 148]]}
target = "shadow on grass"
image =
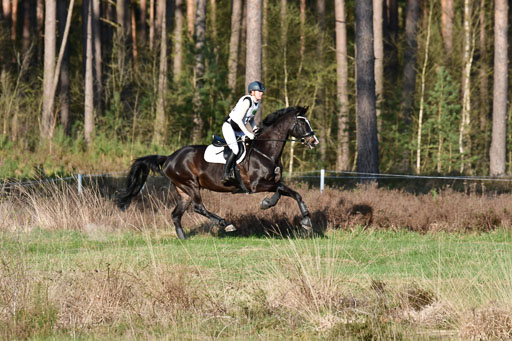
{"points": [[277, 226]]}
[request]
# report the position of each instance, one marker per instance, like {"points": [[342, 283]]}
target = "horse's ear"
{"points": [[305, 110]]}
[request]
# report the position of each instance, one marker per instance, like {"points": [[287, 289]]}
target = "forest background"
{"points": [[88, 85]]}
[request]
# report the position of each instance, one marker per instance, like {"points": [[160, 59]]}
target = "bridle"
{"points": [[302, 138]]}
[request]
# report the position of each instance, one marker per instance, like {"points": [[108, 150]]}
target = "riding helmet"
{"points": [[256, 86]]}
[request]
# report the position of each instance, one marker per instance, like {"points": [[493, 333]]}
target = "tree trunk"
{"points": [[391, 41], [320, 98], [133, 25], [464, 138], [302, 35], [98, 73], [143, 20], [367, 143], [50, 41], [447, 25], [39, 25], [14, 20], [161, 119], [253, 45], [213, 11], [483, 73], [233, 44], [26, 35], [89, 77], [190, 17], [178, 38], [199, 68], [497, 152], [264, 46], [64, 74], [378, 45], [121, 32], [422, 95], [342, 150], [411, 44], [152, 24]]}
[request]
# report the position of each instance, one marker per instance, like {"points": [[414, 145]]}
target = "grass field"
{"points": [[74, 266], [361, 284]]}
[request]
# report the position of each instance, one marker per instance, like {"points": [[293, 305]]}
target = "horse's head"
{"points": [[301, 129]]}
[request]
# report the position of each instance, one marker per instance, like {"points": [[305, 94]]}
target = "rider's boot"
{"points": [[228, 174]]}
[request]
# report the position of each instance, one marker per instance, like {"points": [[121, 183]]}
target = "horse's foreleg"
{"points": [[287, 191], [267, 203]]}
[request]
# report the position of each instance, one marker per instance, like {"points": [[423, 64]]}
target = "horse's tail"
{"points": [[137, 176]]}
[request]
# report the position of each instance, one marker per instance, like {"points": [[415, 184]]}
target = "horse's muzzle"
{"points": [[311, 141]]}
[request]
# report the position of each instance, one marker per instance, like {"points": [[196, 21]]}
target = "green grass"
{"points": [[247, 278]]}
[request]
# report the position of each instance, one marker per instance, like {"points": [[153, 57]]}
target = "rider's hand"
{"points": [[250, 136], [256, 131]]}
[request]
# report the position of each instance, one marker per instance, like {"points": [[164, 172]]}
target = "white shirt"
{"points": [[244, 112]]}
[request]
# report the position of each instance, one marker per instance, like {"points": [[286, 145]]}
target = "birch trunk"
{"points": [[422, 95], [466, 87]]}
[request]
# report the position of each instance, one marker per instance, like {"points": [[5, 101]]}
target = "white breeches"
{"points": [[230, 137]]}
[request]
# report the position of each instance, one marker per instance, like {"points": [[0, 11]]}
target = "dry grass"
{"points": [[302, 287]]}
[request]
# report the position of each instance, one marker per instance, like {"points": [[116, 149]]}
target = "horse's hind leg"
{"points": [[215, 219], [177, 213]]}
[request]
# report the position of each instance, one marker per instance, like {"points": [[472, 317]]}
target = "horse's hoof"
{"points": [[306, 224], [230, 228], [181, 234], [265, 204]]}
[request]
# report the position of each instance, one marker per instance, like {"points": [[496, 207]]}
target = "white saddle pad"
{"points": [[216, 155]]}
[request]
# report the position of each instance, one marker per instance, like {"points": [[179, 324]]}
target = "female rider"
{"points": [[235, 124]]}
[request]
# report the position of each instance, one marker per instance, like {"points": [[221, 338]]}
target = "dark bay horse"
{"points": [[259, 172]]}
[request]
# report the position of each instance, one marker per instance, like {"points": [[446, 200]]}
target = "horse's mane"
{"points": [[276, 115]]}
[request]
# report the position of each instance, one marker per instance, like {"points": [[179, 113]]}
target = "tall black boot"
{"points": [[228, 174]]}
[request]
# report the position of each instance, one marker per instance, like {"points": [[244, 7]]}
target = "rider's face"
{"points": [[257, 94]]}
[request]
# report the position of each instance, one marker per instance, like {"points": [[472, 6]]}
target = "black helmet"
{"points": [[255, 86]]}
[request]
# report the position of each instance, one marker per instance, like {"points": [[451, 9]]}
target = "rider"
{"points": [[235, 124]]}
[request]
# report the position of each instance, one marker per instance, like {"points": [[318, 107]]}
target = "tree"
{"points": [[447, 25], [199, 68], [233, 43], [411, 45], [50, 41], [64, 74], [367, 143], [89, 77], [253, 45], [378, 46], [342, 152], [160, 119], [178, 38], [98, 72], [466, 85], [497, 152]]}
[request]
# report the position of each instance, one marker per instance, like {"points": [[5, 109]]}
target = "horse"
{"points": [[260, 171]]}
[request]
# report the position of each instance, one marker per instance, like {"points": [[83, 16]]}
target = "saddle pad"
{"points": [[216, 155]]}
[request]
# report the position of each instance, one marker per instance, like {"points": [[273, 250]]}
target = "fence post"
{"points": [[322, 177], [79, 183]]}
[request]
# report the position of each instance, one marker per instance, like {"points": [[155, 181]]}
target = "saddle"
{"points": [[218, 151]]}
